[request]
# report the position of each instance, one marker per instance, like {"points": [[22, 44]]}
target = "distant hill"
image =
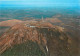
{"points": [[10, 22], [16, 21], [53, 20]]}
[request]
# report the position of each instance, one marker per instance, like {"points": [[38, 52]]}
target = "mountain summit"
{"points": [[49, 40]]}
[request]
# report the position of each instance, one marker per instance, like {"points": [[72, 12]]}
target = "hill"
{"points": [[37, 39], [10, 22]]}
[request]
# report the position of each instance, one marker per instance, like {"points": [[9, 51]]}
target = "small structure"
{"points": [[30, 26], [42, 19]]}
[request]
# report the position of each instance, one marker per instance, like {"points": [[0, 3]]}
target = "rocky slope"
{"points": [[45, 40]]}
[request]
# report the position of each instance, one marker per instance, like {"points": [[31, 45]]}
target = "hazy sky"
{"points": [[40, 3]]}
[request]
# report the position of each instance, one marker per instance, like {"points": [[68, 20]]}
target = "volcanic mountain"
{"points": [[38, 39]]}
